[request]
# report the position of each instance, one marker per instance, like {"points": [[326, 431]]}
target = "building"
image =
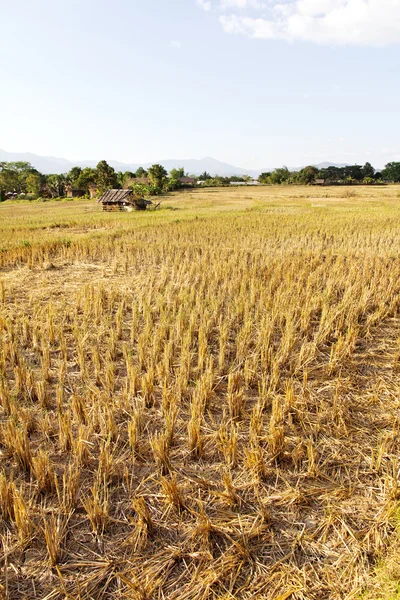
{"points": [[188, 181], [124, 200], [253, 182], [74, 192], [319, 182]]}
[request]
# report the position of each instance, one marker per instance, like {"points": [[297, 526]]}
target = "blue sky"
{"points": [[251, 82]]}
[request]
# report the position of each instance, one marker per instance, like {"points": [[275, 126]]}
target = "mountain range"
{"points": [[52, 164]]}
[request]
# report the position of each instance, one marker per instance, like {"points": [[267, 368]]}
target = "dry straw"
{"points": [[200, 408]]}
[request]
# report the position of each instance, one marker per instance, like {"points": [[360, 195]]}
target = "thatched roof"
{"points": [[116, 197]]}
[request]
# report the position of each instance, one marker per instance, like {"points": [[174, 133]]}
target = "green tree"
{"points": [[392, 172], [158, 177], [106, 177], [307, 175], [177, 173], [140, 172], [56, 185], [33, 183], [218, 181], [264, 177], [204, 176], [175, 176], [333, 174], [354, 172], [124, 178], [281, 175], [14, 174], [9, 180], [87, 177], [74, 175], [368, 171], [139, 189]]}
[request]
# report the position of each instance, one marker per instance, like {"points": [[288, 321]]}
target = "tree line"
{"points": [[22, 179], [348, 175]]}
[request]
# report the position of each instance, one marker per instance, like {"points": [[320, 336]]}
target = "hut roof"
{"points": [[115, 197]]}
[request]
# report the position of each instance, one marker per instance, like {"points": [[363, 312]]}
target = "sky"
{"points": [[257, 84]]}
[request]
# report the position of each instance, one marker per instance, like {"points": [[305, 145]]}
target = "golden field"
{"points": [[201, 402]]}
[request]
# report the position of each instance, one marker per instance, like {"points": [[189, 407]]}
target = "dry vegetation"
{"points": [[203, 402]]}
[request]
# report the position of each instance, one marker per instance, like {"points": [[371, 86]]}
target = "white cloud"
{"points": [[204, 4], [340, 22], [176, 44], [241, 4]]}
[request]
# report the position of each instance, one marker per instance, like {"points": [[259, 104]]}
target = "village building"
{"points": [[124, 200], [73, 192], [188, 181], [253, 182]]}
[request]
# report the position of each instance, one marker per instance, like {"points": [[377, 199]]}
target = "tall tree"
{"points": [[281, 175], [125, 178], [13, 176], [368, 170], [140, 172], [354, 172], [9, 181], [56, 185], [87, 177], [106, 177], [175, 176], [73, 176], [392, 172], [333, 174], [307, 175], [158, 177], [177, 173], [33, 183], [264, 177]]}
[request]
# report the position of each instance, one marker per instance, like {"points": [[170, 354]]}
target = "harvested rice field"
{"points": [[201, 402]]}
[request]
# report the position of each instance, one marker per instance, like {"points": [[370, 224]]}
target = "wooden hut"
{"points": [[73, 192], [190, 181], [125, 200]]}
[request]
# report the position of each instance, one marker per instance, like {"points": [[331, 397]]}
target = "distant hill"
{"points": [[325, 165], [52, 164], [44, 164]]}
